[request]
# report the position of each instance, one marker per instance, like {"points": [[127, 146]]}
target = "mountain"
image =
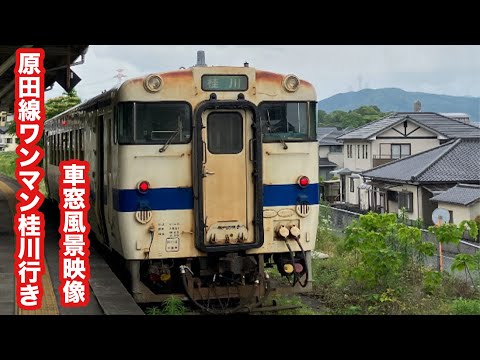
{"points": [[393, 99]]}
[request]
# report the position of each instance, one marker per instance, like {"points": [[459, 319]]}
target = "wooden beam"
{"points": [[7, 88], [10, 61]]}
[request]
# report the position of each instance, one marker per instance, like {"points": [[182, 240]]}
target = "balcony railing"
{"points": [[381, 159]]}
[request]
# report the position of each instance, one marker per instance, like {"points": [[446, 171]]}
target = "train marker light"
{"points": [[291, 83], [303, 181], [153, 83], [143, 186], [288, 268]]}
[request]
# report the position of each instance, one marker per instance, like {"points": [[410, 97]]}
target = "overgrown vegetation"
{"points": [[352, 118], [7, 163], [379, 267], [171, 306], [7, 167]]}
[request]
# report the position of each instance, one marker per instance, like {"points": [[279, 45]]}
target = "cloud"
{"points": [[445, 69]]}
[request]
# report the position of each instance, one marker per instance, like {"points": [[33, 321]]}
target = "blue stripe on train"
{"points": [[155, 199], [289, 194], [182, 198]]}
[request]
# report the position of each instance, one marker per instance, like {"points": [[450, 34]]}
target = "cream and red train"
{"points": [[200, 178]]}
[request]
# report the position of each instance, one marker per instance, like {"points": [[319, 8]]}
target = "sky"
{"points": [[332, 69]]}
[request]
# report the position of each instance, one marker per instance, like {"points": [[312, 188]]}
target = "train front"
{"points": [[217, 182]]}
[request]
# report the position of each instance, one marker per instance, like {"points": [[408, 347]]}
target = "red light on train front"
{"points": [[143, 186], [303, 181]]}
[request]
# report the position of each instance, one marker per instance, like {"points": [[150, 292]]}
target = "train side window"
{"points": [[115, 128], [70, 145], [51, 150], [81, 145], [75, 144], [57, 149], [125, 123], [225, 133]]}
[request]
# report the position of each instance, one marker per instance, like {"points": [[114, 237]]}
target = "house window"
{"points": [[335, 148], [349, 151], [352, 185], [17, 141], [400, 151], [9, 140], [451, 216], [405, 200], [364, 151], [358, 151], [392, 196]]}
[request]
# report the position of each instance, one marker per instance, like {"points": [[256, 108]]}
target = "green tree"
{"points": [[353, 118], [54, 107], [60, 104]]}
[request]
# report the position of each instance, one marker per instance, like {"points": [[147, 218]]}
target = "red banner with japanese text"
{"points": [[74, 192], [29, 111]]}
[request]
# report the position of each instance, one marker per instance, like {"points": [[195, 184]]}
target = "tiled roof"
{"points": [[324, 162], [328, 136], [463, 194], [455, 161], [443, 125]]}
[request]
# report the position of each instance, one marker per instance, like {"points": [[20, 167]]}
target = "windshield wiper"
{"points": [[170, 139], [282, 141], [269, 127]]}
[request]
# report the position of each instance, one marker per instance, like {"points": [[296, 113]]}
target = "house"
{"points": [[462, 201], [8, 142], [3, 119], [412, 182], [396, 136], [330, 151]]}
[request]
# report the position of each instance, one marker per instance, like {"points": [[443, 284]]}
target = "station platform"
{"points": [[108, 296]]}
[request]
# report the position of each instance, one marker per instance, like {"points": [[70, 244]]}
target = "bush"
{"points": [[465, 307]]}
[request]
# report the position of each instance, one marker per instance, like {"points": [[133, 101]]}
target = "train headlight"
{"points": [[291, 83], [143, 186], [303, 181], [153, 83]]}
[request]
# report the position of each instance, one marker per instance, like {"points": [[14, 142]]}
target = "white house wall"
{"points": [[460, 212], [354, 163]]}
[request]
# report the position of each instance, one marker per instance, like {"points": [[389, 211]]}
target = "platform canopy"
{"points": [[58, 58]]}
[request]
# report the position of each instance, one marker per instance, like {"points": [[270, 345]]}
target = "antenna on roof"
{"points": [[200, 58]]}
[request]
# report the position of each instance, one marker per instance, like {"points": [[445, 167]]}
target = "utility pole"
{"points": [[120, 75]]}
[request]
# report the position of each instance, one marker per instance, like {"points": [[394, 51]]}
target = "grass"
{"points": [[171, 306], [295, 300], [7, 167], [7, 163]]}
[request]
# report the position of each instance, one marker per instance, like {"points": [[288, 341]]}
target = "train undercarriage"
{"points": [[221, 284]]}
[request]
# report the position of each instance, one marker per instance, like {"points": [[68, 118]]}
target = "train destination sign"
{"points": [[224, 82]]}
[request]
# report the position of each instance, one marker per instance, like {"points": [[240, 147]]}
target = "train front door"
{"points": [[228, 189]]}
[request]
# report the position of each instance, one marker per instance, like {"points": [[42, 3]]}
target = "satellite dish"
{"points": [[440, 216]]}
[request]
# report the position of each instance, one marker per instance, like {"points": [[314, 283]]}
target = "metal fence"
{"points": [[339, 219]]}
